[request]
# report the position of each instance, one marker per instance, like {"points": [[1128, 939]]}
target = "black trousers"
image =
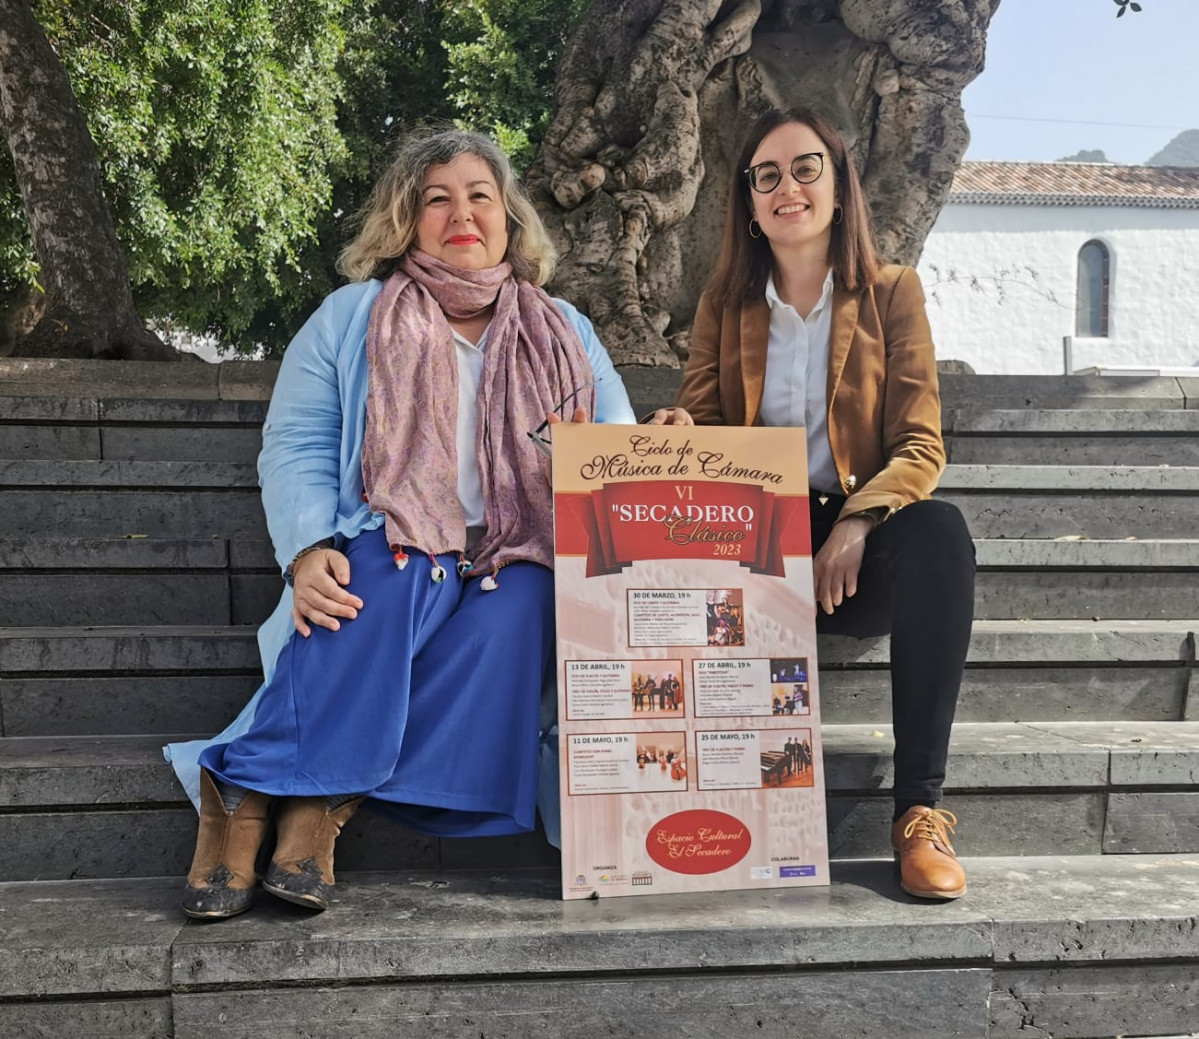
{"points": [[916, 582]]}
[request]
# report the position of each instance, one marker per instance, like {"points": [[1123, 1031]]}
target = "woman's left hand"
{"points": [[670, 417], [835, 568]]}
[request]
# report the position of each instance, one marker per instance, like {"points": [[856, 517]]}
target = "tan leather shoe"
{"points": [[928, 867]]}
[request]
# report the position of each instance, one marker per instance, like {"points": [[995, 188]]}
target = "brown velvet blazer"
{"points": [[884, 420]]}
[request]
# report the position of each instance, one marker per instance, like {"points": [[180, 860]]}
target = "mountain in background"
{"points": [[1182, 151], [1093, 155]]}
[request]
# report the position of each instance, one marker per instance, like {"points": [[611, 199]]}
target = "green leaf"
{"points": [[237, 137]]}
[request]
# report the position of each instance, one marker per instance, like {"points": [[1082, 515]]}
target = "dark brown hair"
{"points": [[745, 262]]}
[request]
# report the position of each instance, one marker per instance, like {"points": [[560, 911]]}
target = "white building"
{"points": [[1026, 253]]}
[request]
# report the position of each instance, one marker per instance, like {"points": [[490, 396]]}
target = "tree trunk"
{"points": [[89, 308], [653, 97]]}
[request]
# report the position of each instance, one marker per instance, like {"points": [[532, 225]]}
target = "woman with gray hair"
{"points": [[411, 515]]}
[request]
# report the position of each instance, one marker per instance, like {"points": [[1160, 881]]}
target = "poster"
{"points": [[688, 699]]}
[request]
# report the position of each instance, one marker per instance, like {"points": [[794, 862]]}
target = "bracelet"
{"points": [[289, 575]]}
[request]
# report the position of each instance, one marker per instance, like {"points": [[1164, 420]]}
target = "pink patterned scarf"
{"points": [[533, 359]]}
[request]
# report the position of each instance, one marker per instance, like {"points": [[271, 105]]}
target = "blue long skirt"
{"points": [[428, 701]]}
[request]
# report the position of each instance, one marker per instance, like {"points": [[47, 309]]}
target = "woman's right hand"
{"points": [[836, 566], [318, 592], [670, 417]]}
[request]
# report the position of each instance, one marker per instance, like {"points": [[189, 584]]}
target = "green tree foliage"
{"points": [[391, 73], [501, 67], [17, 266], [238, 136], [482, 64], [215, 122]]}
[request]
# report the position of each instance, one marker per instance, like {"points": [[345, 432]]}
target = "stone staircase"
{"points": [[134, 566]]}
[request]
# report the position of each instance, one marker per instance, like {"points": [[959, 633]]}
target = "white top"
{"points": [[795, 389], [470, 371]]}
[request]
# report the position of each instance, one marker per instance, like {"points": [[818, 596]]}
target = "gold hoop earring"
{"points": [[752, 224], [838, 214]]}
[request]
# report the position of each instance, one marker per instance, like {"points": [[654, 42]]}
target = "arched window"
{"points": [[1094, 283]]}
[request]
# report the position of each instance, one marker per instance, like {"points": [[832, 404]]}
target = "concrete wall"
{"points": [[1013, 323]]}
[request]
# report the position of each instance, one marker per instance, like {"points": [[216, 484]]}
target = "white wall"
{"points": [[1011, 323]]}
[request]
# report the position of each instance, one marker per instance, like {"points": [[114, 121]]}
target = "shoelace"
{"points": [[932, 826]]}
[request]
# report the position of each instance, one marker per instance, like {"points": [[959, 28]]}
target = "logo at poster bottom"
{"points": [[698, 841]]}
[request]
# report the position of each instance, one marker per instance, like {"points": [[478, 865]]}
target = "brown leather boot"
{"points": [[221, 880], [301, 870], [928, 866]]}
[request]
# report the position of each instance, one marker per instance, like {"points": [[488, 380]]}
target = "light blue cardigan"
{"points": [[310, 471]]}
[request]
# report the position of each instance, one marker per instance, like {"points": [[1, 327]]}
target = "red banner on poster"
{"points": [[670, 519]]}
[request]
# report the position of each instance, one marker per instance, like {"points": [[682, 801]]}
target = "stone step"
{"points": [[77, 581], [1033, 671], [1073, 479], [133, 553], [162, 513], [69, 806], [1079, 437], [1050, 501], [121, 650], [112, 680], [108, 680], [166, 701], [214, 430], [202, 499], [101, 475], [119, 498], [1082, 553], [151, 380], [252, 380], [127, 475], [651, 388], [1070, 946], [984, 422], [1075, 450], [1086, 579], [1041, 642], [116, 770], [1068, 392], [148, 430]]}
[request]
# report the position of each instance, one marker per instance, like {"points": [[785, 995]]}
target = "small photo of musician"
{"points": [[726, 617], [661, 762], [787, 758], [789, 688], [657, 691]]}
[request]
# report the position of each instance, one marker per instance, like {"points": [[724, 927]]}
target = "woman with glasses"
{"points": [[801, 326], [411, 513]]}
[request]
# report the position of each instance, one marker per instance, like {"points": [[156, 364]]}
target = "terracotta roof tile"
{"points": [[1076, 184]]}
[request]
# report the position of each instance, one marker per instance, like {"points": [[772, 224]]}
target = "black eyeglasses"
{"points": [[766, 176], [543, 443]]}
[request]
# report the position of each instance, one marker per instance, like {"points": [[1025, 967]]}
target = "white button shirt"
{"points": [[795, 388], [470, 480]]}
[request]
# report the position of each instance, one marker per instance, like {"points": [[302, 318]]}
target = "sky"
{"points": [[1063, 75]]}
